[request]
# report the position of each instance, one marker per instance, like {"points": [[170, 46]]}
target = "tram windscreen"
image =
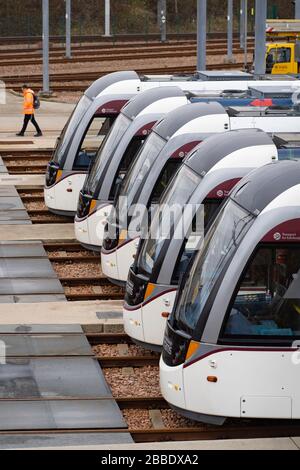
{"points": [[106, 151], [71, 126], [167, 216], [139, 170], [221, 241], [267, 302]]}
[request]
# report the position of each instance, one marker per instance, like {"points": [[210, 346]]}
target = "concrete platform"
{"points": [[14, 217], [31, 298], [51, 116], [52, 381], [288, 443], [12, 209], [9, 191], [22, 180], [19, 441], [42, 232], [27, 275], [8, 143], [92, 315], [11, 203]]}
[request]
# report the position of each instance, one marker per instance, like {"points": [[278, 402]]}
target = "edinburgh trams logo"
{"points": [[277, 236]]}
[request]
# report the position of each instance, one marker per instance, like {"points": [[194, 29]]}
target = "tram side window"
{"points": [[164, 179], [128, 157], [268, 299], [195, 238], [90, 144]]}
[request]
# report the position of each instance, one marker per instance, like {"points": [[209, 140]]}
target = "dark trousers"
{"points": [[27, 118]]}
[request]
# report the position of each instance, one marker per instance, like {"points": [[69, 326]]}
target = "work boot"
{"points": [[20, 134], [38, 134]]}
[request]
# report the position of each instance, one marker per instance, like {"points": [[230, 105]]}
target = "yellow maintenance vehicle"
{"points": [[283, 47]]}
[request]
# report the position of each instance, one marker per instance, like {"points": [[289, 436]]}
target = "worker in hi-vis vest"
{"points": [[30, 103]]}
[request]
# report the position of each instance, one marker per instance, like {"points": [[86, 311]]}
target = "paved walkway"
{"points": [[288, 443], [43, 232], [51, 116], [22, 180], [95, 316]]}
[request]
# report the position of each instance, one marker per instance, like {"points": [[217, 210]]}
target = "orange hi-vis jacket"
{"points": [[28, 102]]}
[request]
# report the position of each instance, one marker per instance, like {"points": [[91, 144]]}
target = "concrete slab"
{"points": [[41, 329], [15, 222], [22, 250], [11, 203], [15, 268], [29, 142], [22, 180], [60, 313], [109, 315], [156, 419], [8, 191], [43, 232], [3, 169], [15, 216], [25, 441], [39, 298], [55, 377], [57, 344], [279, 443], [30, 286], [60, 414]]}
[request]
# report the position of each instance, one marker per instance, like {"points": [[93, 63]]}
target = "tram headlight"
{"points": [[175, 346], [110, 242], [84, 205], [135, 293], [53, 173]]}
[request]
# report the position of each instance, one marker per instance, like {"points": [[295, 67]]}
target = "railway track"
{"points": [[20, 162], [44, 216], [173, 427], [74, 265], [79, 81], [18, 168], [117, 54], [33, 200], [32, 195], [118, 47], [114, 39], [32, 162]]}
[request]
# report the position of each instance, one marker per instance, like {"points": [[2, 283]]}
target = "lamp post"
{"points": [[201, 34], [68, 29], [260, 36], [46, 84]]}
